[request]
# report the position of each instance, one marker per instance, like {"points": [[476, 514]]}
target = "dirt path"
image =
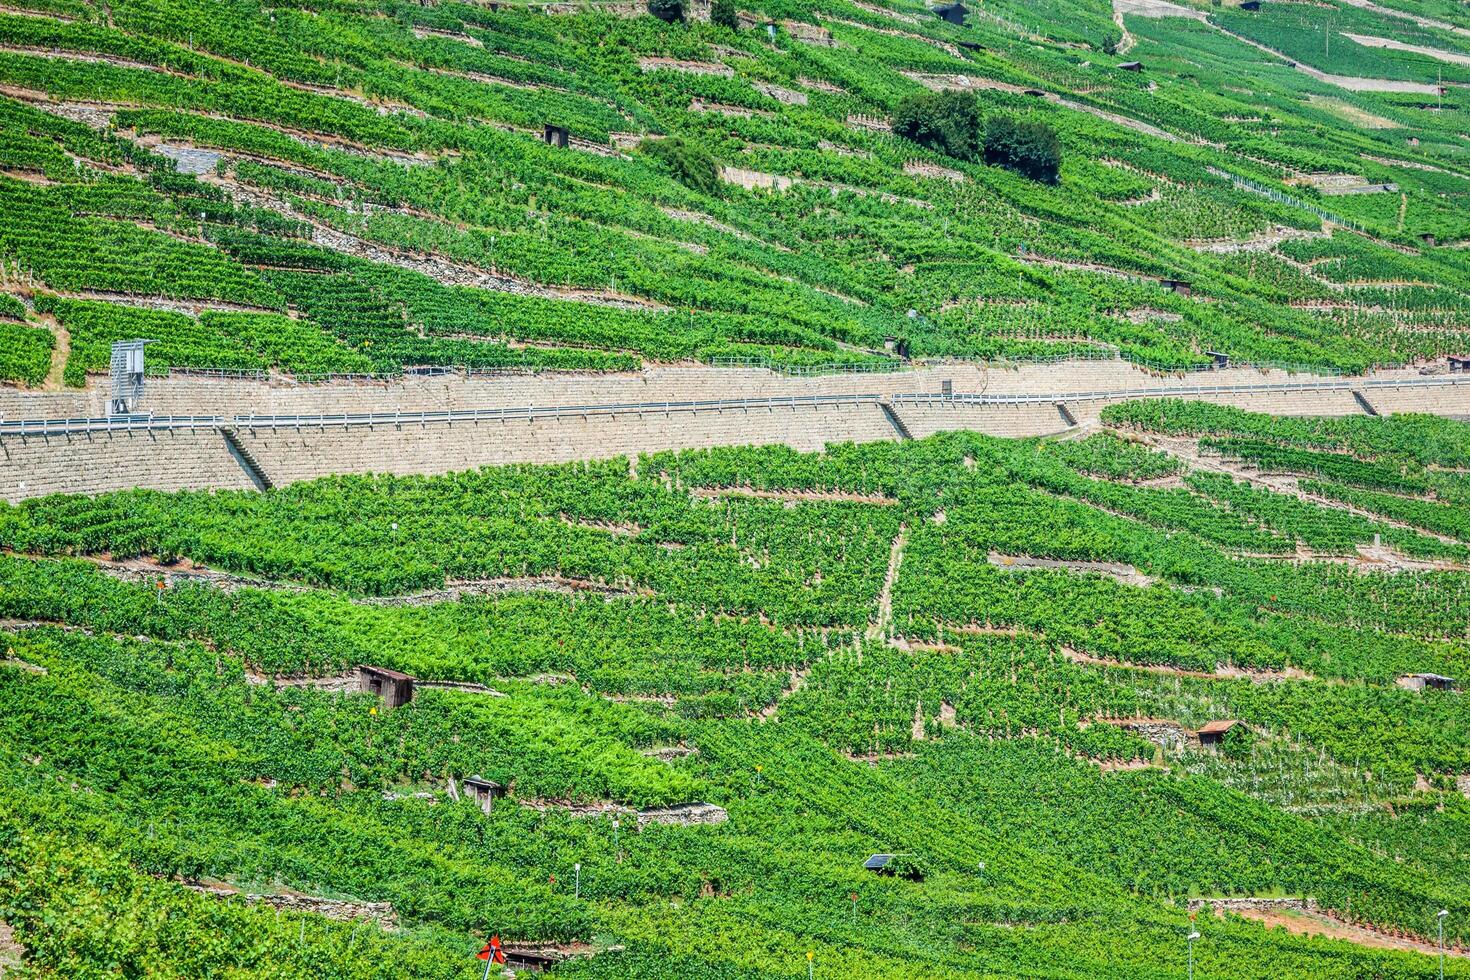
{"points": [[1369, 41], [1315, 924], [880, 628], [1349, 82], [1187, 449], [59, 353], [1223, 671], [798, 681], [1405, 15], [11, 951]]}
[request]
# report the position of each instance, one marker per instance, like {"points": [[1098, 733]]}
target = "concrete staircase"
{"points": [[247, 461], [1363, 402], [1066, 414], [904, 435]]}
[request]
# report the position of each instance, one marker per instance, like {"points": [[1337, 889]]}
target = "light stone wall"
{"points": [[193, 459], [291, 455], [1012, 421], [185, 395]]}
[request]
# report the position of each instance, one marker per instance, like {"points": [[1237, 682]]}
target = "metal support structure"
{"points": [[126, 371]]}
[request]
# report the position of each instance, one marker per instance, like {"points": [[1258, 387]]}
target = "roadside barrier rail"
{"points": [[114, 423], [149, 423]]}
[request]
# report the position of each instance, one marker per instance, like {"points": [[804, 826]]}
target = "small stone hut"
{"points": [[1418, 682]]}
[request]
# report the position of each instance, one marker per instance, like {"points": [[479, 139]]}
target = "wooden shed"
{"points": [[1458, 363], [393, 687], [482, 791], [1418, 682], [1218, 359], [1131, 66], [556, 136], [1213, 733], [1179, 286]]}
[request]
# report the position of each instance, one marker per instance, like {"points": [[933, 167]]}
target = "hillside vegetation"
{"points": [[930, 649], [375, 171]]}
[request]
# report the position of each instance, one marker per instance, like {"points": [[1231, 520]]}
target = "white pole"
{"points": [[1192, 937], [1440, 918], [488, 960], [578, 869]]}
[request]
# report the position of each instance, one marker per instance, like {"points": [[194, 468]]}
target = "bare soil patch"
{"points": [[1304, 923]]}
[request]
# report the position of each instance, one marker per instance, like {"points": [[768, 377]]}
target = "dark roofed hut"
{"points": [[1459, 364], [1131, 66], [556, 136], [878, 863], [953, 13], [393, 687], [894, 864]]}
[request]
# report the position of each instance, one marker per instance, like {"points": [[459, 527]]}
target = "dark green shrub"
{"points": [[1237, 742], [723, 12], [949, 122], [1029, 148], [688, 163], [668, 11]]}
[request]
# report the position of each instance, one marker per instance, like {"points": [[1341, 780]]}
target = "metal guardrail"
{"points": [[114, 423], [1177, 391], [531, 412], [146, 423], [232, 374]]}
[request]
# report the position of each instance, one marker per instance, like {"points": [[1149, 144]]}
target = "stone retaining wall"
{"points": [[33, 466], [193, 395], [191, 459], [341, 910], [291, 455]]}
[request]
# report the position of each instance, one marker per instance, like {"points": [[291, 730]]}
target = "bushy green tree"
{"points": [[688, 163], [949, 122], [723, 12], [668, 11], [1029, 148]]}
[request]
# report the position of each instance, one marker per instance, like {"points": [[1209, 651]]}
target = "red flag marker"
{"points": [[492, 951]]}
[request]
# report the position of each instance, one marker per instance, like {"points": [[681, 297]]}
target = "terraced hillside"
{"points": [[760, 490], [988, 658], [356, 187]]}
